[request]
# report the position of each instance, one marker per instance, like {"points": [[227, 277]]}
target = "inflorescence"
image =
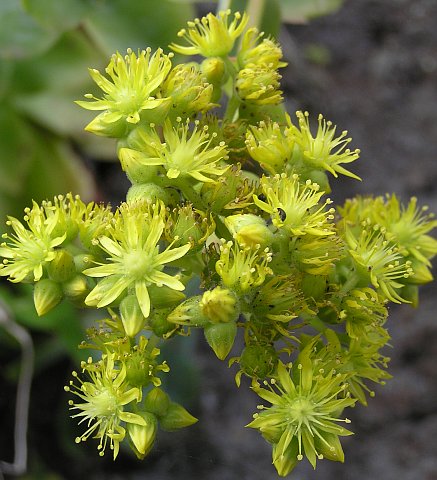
{"points": [[237, 200]]}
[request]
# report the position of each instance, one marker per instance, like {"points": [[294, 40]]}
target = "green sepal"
{"points": [[46, 295], [285, 461], [176, 417], [221, 337]]}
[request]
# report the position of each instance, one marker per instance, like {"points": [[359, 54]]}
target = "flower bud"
{"points": [[62, 267], [131, 316], [157, 402], [189, 91], [83, 261], [214, 69], [258, 361], [219, 305], [142, 437], [162, 297], [176, 417], [77, 288], [249, 230], [221, 337], [148, 192], [46, 295], [189, 313], [136, 171]]}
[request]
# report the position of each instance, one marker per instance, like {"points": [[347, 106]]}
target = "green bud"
{"points": [[148, 192], [258, 361], [221, 337], [162, 297], [189, 313], [62, 267], [77, 288], [82, 261], [176, 417], [131, 316], [157, 402], [136, 171], [219, 305], [46, 295], [214, 69], [249, 230], [142, 437]]}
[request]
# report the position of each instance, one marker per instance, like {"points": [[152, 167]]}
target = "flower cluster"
{"points": [[226, 228]]}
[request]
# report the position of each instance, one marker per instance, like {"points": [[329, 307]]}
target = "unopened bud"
{"points": [[62, 267], [76, 289], [221, 337], [136, 170], [147, 192], [189, 313], [131, 316], [142, 437], [176, 417], [46, 295], [219, 305], [157, 402], [249, 230]]}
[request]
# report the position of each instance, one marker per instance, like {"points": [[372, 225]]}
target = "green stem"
{"points": [[191, 194], [231, 113]]}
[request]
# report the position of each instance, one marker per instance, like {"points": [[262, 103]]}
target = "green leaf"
{"points": [[55, 14], [20, 34], [35, 165], [300, 11], [120, 24]]}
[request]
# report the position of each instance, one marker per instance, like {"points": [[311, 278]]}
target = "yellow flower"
{"points": [[324, 151], [184, 152], [211, 36], [133, 81], [295, 206], [104, 397], [135, 262]]}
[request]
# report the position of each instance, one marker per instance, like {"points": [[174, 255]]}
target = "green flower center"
{"points": [[300, 409], [138, 264]]}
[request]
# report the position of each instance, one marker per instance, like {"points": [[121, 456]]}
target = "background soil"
{"points": [[371, 68]]}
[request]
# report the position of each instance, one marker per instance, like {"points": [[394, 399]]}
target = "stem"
{"points": [[191, 194], [255, 10], [231, 113], [19, 465], [223, 5]]}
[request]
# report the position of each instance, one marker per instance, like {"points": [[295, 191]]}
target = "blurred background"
{"points": [[370, 66]]}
